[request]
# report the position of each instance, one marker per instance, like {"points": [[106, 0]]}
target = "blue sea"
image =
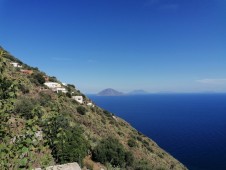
{"points": [[191, 127]]}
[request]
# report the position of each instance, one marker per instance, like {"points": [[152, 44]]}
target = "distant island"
{"points": [[113, 92], [138, 92], [110, 92]]}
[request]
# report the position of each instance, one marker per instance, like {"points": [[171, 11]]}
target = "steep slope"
{"points": [[42, 126]]}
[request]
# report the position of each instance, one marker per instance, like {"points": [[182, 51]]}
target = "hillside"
{"points": [[45, 122], [109, 92]]}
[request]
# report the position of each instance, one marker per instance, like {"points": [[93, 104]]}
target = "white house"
{"points": [[90, 104], [16, 64], [78, 99], [52, 85], [60, 89], [65, 84]]}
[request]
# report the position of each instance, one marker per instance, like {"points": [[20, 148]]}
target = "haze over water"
{"points": [[191, 127]]}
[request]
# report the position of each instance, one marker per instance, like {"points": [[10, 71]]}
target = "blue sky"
{"points": [[155, 45]]}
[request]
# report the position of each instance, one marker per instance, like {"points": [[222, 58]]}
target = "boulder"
{"points": [[69, 166]]}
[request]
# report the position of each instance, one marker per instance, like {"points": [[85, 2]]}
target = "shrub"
{"points": [[81, 110], [24, 107], [67, 143], [160, 155], [139, 138], [111, 151], [71, 85], [145, 143], [38, 78], [93, 109], [132, 143], [44, 99], [72, 146], [68, 95], [149, 149], [53, 79], [142, 165], [120, 133], [23, 88], [129, 159], [107, 113]]}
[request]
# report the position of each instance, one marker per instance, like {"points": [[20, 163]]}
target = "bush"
{"points": [[24, 107], [139, 138], [53, 79], [111, 151], [132, 143], [81, 110], [129, 159], [45, 98], [160, 155], [107, 113], [72, 147], [142, 165], [38, 78], [67, 143], [68, 95], [23, 88], [71, 85], [145, 143]]}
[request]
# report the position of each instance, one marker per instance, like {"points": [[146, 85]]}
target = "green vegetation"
{"points": [[7, 96], [23, 88], [107, 113], [40, 128], [53, 79], [81, 110], [132, 143], [38, 78], [18, 147], [25, 108], [142, 165], [111, 151], [66, 142]]}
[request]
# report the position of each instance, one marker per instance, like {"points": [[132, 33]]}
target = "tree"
{"points": [[81, 110], [67, 143], [71, 85], [109, 150], [28, 108], [39, 77], [53, 79]]}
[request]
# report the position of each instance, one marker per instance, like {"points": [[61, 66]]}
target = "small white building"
{"points": [[60, 89], [65, 84], [52, 85], [16, 64], [90, 104], [78, 99]]}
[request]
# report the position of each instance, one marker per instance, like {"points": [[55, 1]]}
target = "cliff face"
{"points": [[43, 126]]}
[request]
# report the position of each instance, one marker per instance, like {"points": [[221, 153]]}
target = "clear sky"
{"points": [[154, 45]]}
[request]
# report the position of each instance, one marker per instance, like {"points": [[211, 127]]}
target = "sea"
{"points": [[191, 127]]}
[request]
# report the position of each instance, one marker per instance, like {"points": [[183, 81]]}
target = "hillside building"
{"points": [[60, 89], [90, 104], [26, 71], [16, 64], [53, 85], [78, 99]]}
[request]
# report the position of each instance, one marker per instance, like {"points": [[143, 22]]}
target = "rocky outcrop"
{"points": [[69, 166]]}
